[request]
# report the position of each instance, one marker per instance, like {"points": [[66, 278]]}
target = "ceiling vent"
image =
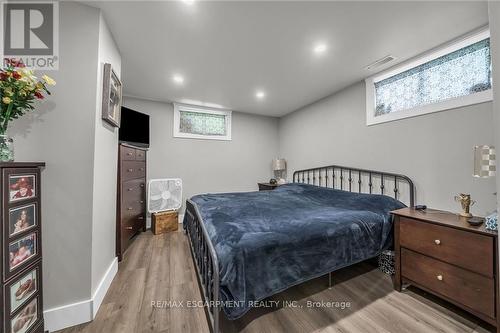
{"points": [[380, 62]]}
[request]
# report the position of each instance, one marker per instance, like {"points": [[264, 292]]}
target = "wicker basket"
{"points": [[386, 262]]}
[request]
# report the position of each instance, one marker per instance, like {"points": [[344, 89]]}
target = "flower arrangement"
{"points": [[19, 89]]}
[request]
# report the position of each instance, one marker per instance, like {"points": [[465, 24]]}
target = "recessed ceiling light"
{"points": [[320, 48], [260, 94], [188, 2], [178, 79]]}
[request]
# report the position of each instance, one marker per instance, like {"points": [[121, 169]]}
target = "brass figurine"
{"points": [[466, 202]]}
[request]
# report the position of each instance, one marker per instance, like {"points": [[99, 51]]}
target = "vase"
{"points": [[6, 148]]}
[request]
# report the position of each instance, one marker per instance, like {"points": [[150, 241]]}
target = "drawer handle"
{"points": [[130, 189], [437, 241], [129, 154], [439, 277], [141, 202], [130, 208], [141, 217], [128, 228], [142, 169], [130, 170], [142, 185]]}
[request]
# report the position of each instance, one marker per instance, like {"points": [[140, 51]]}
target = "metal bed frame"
{"points": [[332, 176]]}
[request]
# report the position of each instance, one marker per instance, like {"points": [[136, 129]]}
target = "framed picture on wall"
{"points": [[111, 96]]}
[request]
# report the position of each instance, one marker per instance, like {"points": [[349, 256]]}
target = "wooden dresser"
{"points": [[21, 303], [131, 202], [440, 252]]}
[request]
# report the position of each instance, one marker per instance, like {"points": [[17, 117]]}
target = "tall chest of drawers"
{"points": [[131, 201], [21, 303], [443, 254]]}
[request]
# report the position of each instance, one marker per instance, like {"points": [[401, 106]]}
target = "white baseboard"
{"points": [[68, 315], [103, 286], [181, 218], [80, 312]]}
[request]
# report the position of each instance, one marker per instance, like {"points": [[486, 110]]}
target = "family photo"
{"points": [[25, 319], [22, 290], [21, 250], [21, 219], [21, 187]]}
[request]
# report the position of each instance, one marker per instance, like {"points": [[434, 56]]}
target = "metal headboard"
{"points": [[358, 180]]}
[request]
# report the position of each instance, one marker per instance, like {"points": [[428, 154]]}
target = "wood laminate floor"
{"points": [[159, 268]]}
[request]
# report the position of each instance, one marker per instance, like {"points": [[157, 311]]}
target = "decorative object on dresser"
{"points": [[465, 202], [19, 90], [492, 221], [267, 186], [279, 167], [21, 298], [440, 252], [163, 222], [111, 96], [131, 201], [164, 199]]}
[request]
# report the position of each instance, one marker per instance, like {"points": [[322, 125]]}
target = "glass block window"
{"points": [[461, 76], [201, 123]]}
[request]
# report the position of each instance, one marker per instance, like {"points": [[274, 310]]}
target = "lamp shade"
{"points": [[279, 164], [484, 161]]}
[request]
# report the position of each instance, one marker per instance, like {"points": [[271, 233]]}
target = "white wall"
{"points": [[210, 165], [434, 150], [105, 167], [494, 15], [60, 132], [79, 181]]}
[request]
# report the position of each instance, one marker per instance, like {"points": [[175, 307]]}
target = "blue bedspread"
{"points": [[269, 241]]}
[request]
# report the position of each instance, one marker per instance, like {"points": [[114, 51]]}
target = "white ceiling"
{"points": [[226, 51]]}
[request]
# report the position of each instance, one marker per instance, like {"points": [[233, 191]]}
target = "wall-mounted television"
{"points": [[134, 128]]}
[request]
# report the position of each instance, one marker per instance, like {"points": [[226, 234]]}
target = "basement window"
{"points": [[453, 76], [198, 122]]}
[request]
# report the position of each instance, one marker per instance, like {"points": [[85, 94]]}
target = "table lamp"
{"points": [[484, 161], [279, 166]]}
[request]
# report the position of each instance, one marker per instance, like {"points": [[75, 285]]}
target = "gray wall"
{"points": [[105, 166], [210, 165], [61, 133], [434, 150]]}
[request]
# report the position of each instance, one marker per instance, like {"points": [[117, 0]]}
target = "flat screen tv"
{"points": [[134, 128]]}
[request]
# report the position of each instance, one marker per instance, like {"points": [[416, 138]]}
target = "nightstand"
{"points": [[441, 253], [267, 186]]}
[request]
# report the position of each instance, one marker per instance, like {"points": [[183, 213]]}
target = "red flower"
{"points": [[4, 76], [16, 75], [38, 95]]}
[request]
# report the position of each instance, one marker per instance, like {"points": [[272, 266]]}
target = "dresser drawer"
{"points": [[449, 245], [140, 155], [127, 153], [462, 286], [133, 209], [133, 170], [133, 187]]}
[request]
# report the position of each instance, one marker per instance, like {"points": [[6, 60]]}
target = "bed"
{"points": [[249, 246]]}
